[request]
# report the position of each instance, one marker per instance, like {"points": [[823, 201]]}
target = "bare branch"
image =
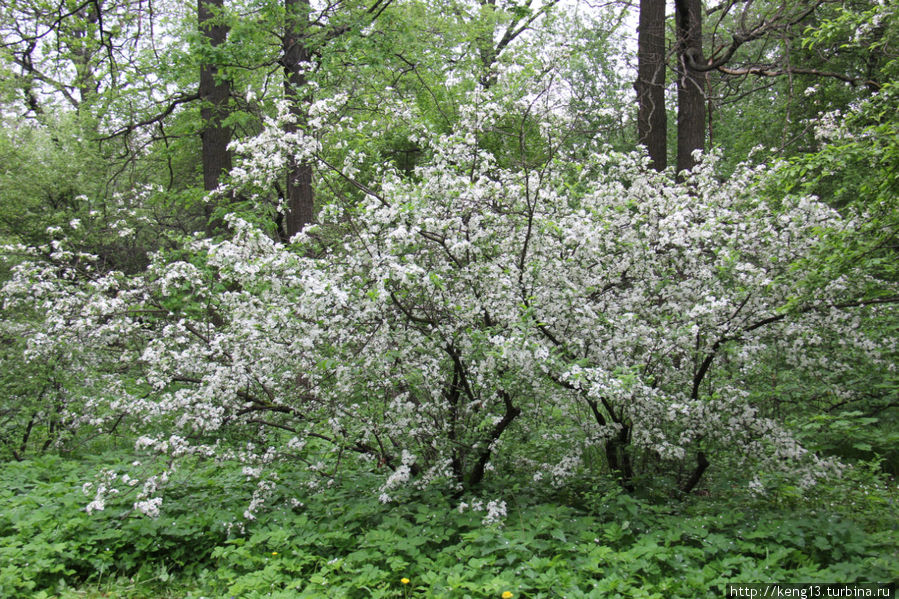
{"points": [[127, 129], [777, 72]]}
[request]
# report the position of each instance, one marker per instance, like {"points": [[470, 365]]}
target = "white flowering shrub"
{"points": [[56, 383], [471, 318]]}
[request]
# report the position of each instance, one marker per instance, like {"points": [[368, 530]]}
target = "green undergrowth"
{"points": [[344, 543]]}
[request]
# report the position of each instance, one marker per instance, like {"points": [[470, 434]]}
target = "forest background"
{"points": [[448, 299]]}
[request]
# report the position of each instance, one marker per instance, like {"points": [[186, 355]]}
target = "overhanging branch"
{"points": [[777, 72]]}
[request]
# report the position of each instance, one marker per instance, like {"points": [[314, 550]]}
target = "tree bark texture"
{"points": [[214, 95], [652, 121], [300, 197], [690, 92]]}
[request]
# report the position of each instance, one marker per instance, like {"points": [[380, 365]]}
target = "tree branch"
{"points": [[182, 99], [777, 72]]}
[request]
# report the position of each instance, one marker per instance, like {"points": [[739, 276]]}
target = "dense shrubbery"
{"points": [[478, 343], [471, 318], [505, 360], [344, 543], [467, 321]]}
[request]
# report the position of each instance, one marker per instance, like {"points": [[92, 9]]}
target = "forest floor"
{"points": [[584, 540]]}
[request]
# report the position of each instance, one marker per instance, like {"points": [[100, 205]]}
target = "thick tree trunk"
{"points": [[652, 121], [300, 198], [690, 94], [214, 95]]}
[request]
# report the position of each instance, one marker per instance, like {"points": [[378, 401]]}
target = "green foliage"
{"points": [[48, 541], [858, 168], [856, 436], [45, 180], [33, 407], [65, 173], [342, 542], [40, 405]]}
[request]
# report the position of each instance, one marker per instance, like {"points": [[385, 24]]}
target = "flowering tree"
{"points": [[470, 317]]}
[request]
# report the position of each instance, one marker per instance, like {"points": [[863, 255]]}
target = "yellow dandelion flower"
{"points": [[274, 553], [404, 580], [507, 595]]}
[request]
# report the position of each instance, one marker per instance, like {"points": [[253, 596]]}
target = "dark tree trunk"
{"points": [[619, 459], [702, 463], [512, 412], [300, 197], [690, 94], [652, 121], [616, 448], [214, 95]]}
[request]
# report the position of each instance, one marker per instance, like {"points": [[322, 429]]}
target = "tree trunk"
{"points": [[652, 120], [690, 94], [300, 197], [619, 459], [83, 51], [702, 463], [214, 95]]}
